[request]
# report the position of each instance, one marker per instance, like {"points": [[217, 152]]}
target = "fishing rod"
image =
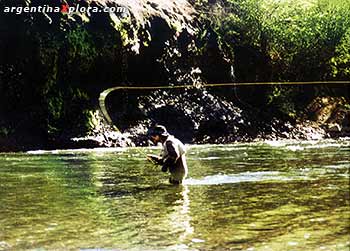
{"points": [[148, 157]]}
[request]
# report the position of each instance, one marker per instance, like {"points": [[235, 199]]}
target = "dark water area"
{"points": [[272, 195]]}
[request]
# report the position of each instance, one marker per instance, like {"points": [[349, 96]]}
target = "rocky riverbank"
{"points": [[198, 117]]}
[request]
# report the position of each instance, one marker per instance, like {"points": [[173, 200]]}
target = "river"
{"points": [[273, 195]]}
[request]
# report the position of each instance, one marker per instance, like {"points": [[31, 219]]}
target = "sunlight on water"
{"points": [[92, 150], [242, 177], [283, 195]]}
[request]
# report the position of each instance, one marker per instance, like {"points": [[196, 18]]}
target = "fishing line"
{"points": [[105, 93]]}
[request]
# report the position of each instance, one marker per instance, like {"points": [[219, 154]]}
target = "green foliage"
{"points": [[5, 131], [81, 51], [340, 63], [56, 106], [297, 40], [68, 111], [48, 54], [282, 98], [303, 39]]}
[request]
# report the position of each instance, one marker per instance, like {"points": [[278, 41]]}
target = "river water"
{"points": [[283, 195]]}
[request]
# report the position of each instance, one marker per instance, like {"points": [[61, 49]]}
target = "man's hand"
{"points": [[164, 168], [155, 159]]}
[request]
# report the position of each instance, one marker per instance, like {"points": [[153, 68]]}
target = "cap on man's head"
{"points": [[158, 130]]}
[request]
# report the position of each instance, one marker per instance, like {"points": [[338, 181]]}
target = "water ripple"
{"points": [[237, 178]]}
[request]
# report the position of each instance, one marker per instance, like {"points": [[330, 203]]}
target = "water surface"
{"points": [[257, 196]]}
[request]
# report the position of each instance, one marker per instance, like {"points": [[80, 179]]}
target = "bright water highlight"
{"points": [[283, 195]]}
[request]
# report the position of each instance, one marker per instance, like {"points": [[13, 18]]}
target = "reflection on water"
{"points": [[258, 196], [236, 178]]}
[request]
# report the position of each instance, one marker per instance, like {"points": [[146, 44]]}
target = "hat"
{"points": [[158, 130]]}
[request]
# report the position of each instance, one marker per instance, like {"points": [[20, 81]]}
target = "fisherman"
{"points": [[173, 157]]}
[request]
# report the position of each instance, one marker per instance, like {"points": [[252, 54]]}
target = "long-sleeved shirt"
{"points": [[174, 158]]}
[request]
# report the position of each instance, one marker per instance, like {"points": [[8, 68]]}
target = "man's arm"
{"points": [[172, 156], [155, 159]]}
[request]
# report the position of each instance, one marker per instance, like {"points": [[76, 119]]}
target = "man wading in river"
{"points": [[173, 154]]}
